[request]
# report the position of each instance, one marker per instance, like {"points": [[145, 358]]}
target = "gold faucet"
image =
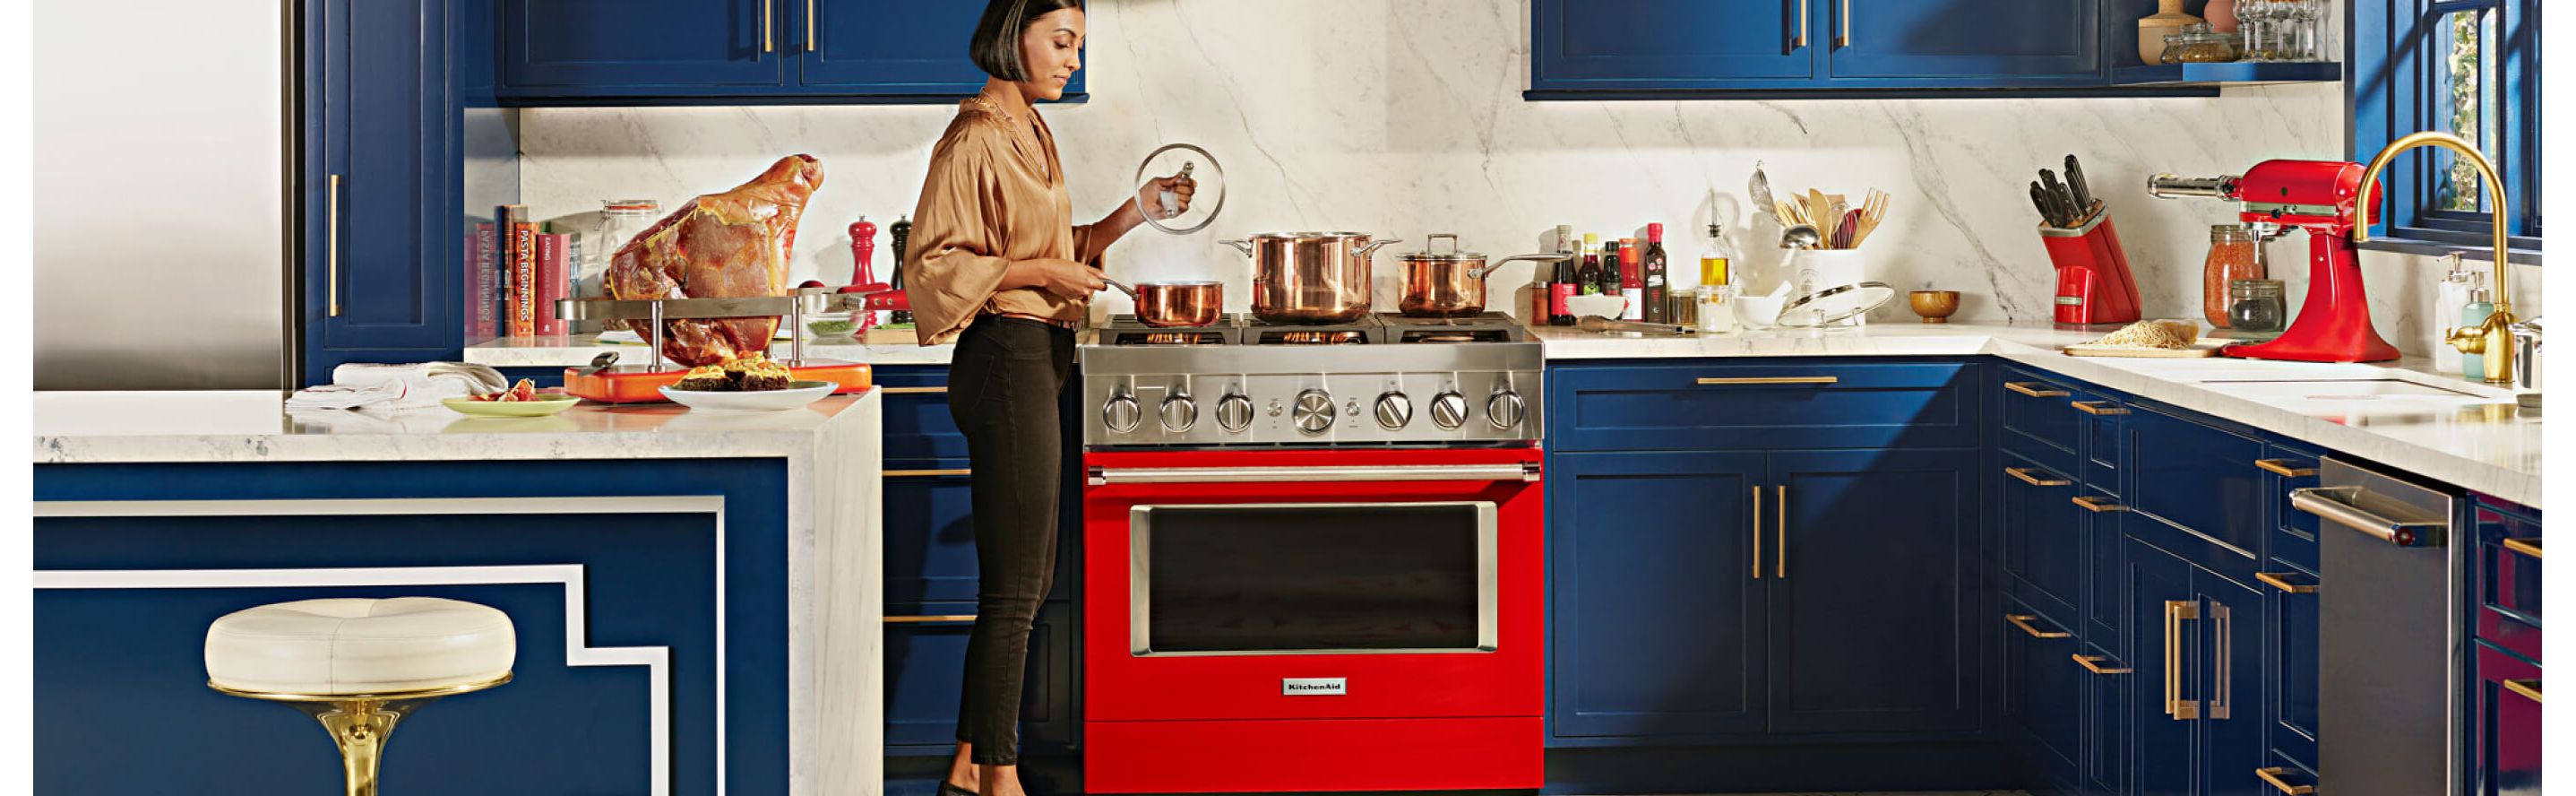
{"points": [[2492, 340]]}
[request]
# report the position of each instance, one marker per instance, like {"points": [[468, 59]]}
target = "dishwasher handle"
{"points": [[2336, 503]]}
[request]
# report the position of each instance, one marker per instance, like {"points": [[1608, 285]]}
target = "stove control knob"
{"points": [[1234, 412], [1122, 413], [1314, 412], [1505, 409], [1449, 410], [1180, 412], [1394, 410]]}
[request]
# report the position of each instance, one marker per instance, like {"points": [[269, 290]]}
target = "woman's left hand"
{"points": [[1166, 197]]}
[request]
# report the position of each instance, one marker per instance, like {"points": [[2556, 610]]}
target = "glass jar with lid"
{"points": [[2256, 312], [2233, 255], [619, 221], [2198, 43]]}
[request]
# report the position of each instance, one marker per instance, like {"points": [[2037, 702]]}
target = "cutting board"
{"points": [[2091, 350]]}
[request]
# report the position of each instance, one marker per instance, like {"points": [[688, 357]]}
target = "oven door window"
{"points": [[1312, 578]]}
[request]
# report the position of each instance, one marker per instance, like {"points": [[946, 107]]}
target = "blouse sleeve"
{"points": [[952, 264]]}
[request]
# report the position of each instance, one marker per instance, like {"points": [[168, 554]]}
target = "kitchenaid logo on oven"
{"points": [[1314, 686]]}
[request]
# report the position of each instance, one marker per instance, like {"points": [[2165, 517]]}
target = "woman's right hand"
{"points": [[1067, 278]]}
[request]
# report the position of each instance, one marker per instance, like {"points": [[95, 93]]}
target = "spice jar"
{"points": [[2256, 308], [2198, 44], [2232, 256]]}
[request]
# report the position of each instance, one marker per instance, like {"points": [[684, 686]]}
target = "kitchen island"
{"points": [[695, 593]]}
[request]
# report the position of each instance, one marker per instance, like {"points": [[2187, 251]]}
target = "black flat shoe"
{"points": [[947, 789]]}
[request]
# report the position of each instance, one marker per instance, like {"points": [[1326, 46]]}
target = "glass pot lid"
{"points": [[1206, 199], [1835, 304]]}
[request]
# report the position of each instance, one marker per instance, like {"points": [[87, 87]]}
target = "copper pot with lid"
{"points": [[1451, 284], [1310, 277]]}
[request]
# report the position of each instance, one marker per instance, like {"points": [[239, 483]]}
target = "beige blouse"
{"points": [[994, 195]]}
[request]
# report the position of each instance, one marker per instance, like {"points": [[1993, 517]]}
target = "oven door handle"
{"points": [[1519, 471]]}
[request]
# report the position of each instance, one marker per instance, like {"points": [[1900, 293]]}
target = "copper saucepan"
{"points": [[1451, 284], [1169, 304]]}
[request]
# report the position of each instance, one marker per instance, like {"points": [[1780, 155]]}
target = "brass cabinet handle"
{"points": [[331, 246], [810, 22], [2224, 689], [1782, 541], [768, 9], [2023, 621], [929, 618], [2281, 580], [914, 390], [927, 473], [2034, 389], [2098, 505], [1845, 39], [2284, 468], [1757, 531], [2093, 663], [2101, 408], [1707, 381], [2529, 547], [1801, 39], [2175, 705], [2273, 777], [2528, 688], [2023, 473]]}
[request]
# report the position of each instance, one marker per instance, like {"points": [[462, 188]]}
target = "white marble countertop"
{"points": [[253, 426], [2477, 438], [536, 352]]}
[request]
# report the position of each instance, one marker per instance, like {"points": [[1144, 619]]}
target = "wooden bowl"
{"points": [[1934, 305]]}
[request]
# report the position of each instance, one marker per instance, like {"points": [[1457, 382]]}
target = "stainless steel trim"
{"points": [[1140, 583], [1105, 476], [2337, 503]]}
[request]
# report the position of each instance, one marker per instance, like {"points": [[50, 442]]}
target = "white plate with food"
{"points": [[796, 395]]}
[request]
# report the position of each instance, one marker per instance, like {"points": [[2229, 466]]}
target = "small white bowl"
{"points": [[1598, 304], [1760, 312]]}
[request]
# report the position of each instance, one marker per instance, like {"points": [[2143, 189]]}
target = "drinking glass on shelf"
{"points": [[2312, 29], [2259, 20]]}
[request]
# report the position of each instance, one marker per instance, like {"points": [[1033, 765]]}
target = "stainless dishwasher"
{"points": [[2388, 698]]}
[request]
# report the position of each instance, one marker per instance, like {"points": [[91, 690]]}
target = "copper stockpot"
{"points": [[1451, 284], [1170, 304], [1310, 277]]}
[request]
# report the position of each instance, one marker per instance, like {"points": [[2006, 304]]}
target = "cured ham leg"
{"points": [[733, 244]]}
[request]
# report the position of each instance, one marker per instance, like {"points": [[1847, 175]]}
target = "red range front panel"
{"points": [[1146, 718]]}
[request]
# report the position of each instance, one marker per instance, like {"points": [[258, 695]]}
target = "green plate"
{"points": [[543, 408]]}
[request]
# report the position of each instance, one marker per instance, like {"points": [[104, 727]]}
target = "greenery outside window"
{"points": [[2466, 67]]}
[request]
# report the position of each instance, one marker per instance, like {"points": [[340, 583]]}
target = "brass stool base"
{"points": [[361, 723]]}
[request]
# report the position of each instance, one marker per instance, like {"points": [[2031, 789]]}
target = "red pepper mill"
{"points": [[863, 246]]}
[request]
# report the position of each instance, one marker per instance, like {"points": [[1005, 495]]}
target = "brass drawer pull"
{"points": [[2529, 547], [2023, 473], [1844, 40], [914, 390], [2273, 777], [2034, 389], [927, 473], [331, 247], [2098, 505], [2023, 621], [1801, 39], [2281, 580], [1757, 531], [2176, 611], [1782, 541], [810, 24], [2284, 468], [2098, 408], [768, 9], [2093, 663], [2528, 688], [1712, 381], [928, 619]]}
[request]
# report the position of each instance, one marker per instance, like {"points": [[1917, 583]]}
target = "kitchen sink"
{"points": [[2352, 394]]}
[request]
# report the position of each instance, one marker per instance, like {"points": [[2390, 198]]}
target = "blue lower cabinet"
{"points": [[2507, 567], [2200, 687], [2201, 479], [2294, 532], [2159, 588], [2043, 535], [925, 660], [917, 422], [929, 532], [2293, 666], [1874, 627], [2232, 687], [2107, 680], [2044, 696], [1639, 541], [2104, 553], [2505, 733], [1780, 405]]}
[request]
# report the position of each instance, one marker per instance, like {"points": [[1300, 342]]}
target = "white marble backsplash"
{"points": [[1404, 117]]}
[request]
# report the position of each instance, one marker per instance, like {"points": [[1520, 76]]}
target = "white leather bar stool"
{"points": [[359, 665]]}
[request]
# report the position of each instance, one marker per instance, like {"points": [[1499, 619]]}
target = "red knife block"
{"points": [[2094, 284]]}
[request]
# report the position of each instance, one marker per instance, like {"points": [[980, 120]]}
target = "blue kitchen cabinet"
{"points": [[1766, 405], [925, 664], [2201, 483], [1615, 45], [1964, 43], [621, 48], [1874, 620], [2044, 537], [2199, 689], [2505, 749], [382, 260], [891, 48], [2044, 697], [2504, 734], [2293, 666], [2107, 680], [1638, 542]]}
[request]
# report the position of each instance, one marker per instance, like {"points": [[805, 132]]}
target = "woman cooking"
{"points": [[997, 266]]}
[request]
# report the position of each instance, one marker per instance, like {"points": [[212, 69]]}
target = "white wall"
{"points": [[1404, 117]]}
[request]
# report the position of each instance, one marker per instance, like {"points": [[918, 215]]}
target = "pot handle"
{"points": [[1433, 239], [1544, 257], [1244, 246], [1373, 245]]}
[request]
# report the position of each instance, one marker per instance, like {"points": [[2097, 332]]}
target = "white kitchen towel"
{"points": [[397, 386], [478, 379]]}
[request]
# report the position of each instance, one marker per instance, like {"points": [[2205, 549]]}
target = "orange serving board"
{"points": [[627, 384]]}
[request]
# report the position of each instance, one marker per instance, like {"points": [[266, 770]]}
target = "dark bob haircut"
{"points": [[996, 48]]}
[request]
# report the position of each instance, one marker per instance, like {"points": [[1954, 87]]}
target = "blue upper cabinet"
{"points": [[1965, 43], [660, 52], [1597, 45], [603, 48], [381, 263]]}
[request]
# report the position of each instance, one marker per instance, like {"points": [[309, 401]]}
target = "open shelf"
{"points": [[2238, 73]]}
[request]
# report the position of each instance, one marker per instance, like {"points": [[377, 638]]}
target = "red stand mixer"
{"points": [[2321, 197]]}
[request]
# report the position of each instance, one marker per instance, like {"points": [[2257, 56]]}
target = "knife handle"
{"points": [[2047, 211]]}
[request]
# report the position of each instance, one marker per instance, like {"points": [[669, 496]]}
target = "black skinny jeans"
{"points": [[1003, 384]]}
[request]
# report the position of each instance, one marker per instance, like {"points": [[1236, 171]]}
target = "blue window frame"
{"points": [[2468, 67]]}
